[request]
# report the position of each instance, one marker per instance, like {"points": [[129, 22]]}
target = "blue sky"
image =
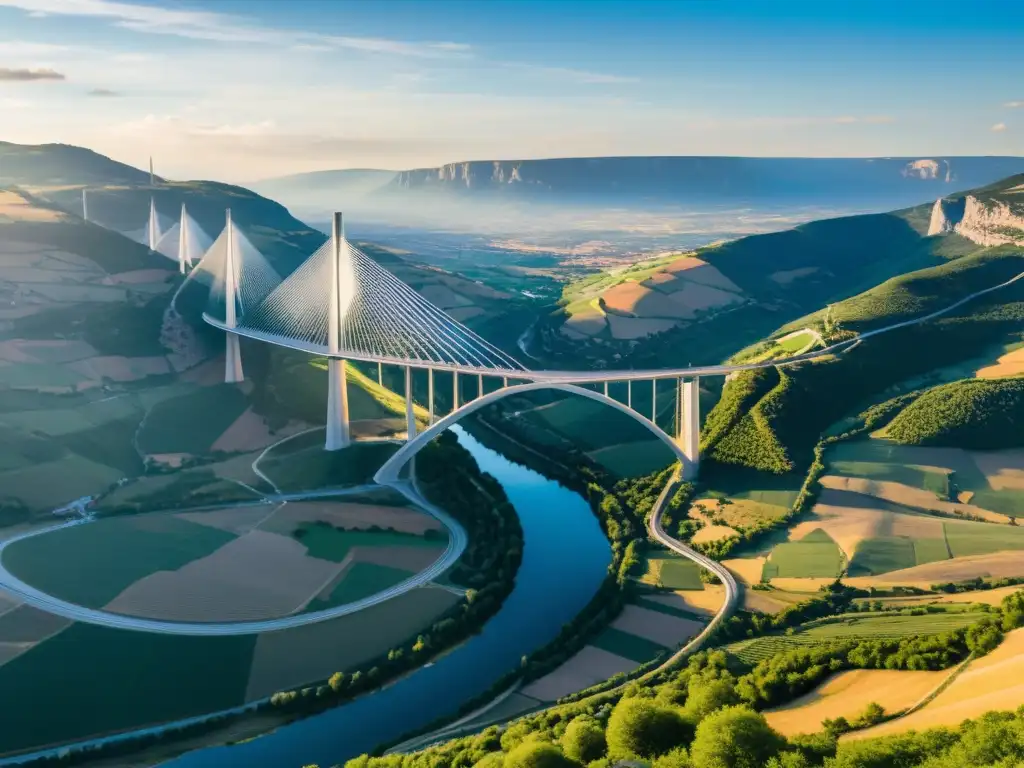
{"points": [[245, 89]]}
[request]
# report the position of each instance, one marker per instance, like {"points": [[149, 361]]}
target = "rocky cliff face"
{"points": [[883, 182], [986, 222]]}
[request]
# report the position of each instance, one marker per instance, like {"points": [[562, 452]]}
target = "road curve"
{"points": [[38, 599], [472, 722]]}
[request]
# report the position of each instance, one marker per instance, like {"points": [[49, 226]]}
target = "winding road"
{"points": [[31, 596]]}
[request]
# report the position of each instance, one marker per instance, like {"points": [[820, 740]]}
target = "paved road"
{"points": [[477, 720], [34, 597]]}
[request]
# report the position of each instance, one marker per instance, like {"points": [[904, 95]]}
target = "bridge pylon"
{"points": [[153, 227], [232, 352], [338, 431], [689, 425]]}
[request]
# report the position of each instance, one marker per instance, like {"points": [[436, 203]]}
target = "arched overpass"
{"points": [[389, 472]]}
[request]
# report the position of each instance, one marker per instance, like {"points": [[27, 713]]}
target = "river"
{"points": [[565, 557]]}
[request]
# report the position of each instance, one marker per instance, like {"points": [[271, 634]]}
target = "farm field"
{"points": [[993, 682], [311, 468], [880, 539], [91, 564], [192, 423], [671, 571], [97, 680], [990, 480], [232, 564], [755, 497], [847, 694], [850, 627], [814, 555]]}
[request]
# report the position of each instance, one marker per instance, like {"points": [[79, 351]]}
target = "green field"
{"points": [[883, 554], [875, 626], [92, 563], [326, 542], [671, 571], [191, 423], [815, 555], [634, 459], [916, 477], [639, 649], [88, 680], [591, 426], [312, 468], [921, 467], [361, 580], [980, 538]]}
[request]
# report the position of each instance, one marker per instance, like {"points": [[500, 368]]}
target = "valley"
{"points": [[863, 498]]}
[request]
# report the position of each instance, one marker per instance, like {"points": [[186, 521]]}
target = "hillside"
{"points": [[977, 414], [62, 164], [993, 215], [880, 182]]}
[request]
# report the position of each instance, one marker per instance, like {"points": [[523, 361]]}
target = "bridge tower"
{"points": [[183, 255], [153, 228], [232, 352], [338, 434], [85, 204], [689, 425]]}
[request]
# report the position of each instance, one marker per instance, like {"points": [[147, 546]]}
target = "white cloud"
{"points": [[219, 27], [1014, 104], [998, 127]]}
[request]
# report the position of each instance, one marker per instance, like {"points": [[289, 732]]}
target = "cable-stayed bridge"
{"points": [[342, 305], [181, 240]]}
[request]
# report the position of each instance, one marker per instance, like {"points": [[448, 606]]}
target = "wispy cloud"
{"points": [[998, 128], [8, 75], [1014, 104], [220, 27], [575, 75], [104, 93]]}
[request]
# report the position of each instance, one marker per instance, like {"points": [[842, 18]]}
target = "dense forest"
{"points": [[983, 414]]}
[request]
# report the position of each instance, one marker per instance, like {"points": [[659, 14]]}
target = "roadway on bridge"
{"points": [[31, 596]]}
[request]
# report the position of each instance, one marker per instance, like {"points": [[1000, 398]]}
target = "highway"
{"points": [[38, 599]]}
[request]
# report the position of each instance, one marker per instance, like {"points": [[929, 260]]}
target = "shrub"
{"points": [[641, 728], [583, 740], [537, 754], [734, 737]]}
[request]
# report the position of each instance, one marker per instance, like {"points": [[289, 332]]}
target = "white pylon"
{"points": [[410, 414], [689, 431], [232, 353], [455, 390], [430, 394], [338, 434], [154, 226], [183, 256], [85, 204], [654, 401]]}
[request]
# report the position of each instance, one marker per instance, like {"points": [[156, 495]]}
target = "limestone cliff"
{"points": [[986, 222]]}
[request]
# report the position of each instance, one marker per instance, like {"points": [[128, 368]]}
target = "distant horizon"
{"points": [[251, 89]]}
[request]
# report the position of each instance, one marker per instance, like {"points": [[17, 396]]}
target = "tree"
{"points": [[707, 696], [734, 737], [537, 754], [641, 728], [677, 758], [583, 740]]}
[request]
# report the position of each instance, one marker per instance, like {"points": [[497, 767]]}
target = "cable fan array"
{"points": [[254, 278], [380, 318]]}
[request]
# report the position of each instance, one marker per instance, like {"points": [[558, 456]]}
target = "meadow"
{"points": [[91, 564], [877, 626]]}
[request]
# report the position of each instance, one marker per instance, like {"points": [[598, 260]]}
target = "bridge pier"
{"points": [[430, 393], [455, 390], [689, 429], [410, 415], [232, 352], [479, 385], [338, 432]]}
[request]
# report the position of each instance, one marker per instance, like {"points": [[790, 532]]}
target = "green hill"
{"points": [[982, 414]]}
